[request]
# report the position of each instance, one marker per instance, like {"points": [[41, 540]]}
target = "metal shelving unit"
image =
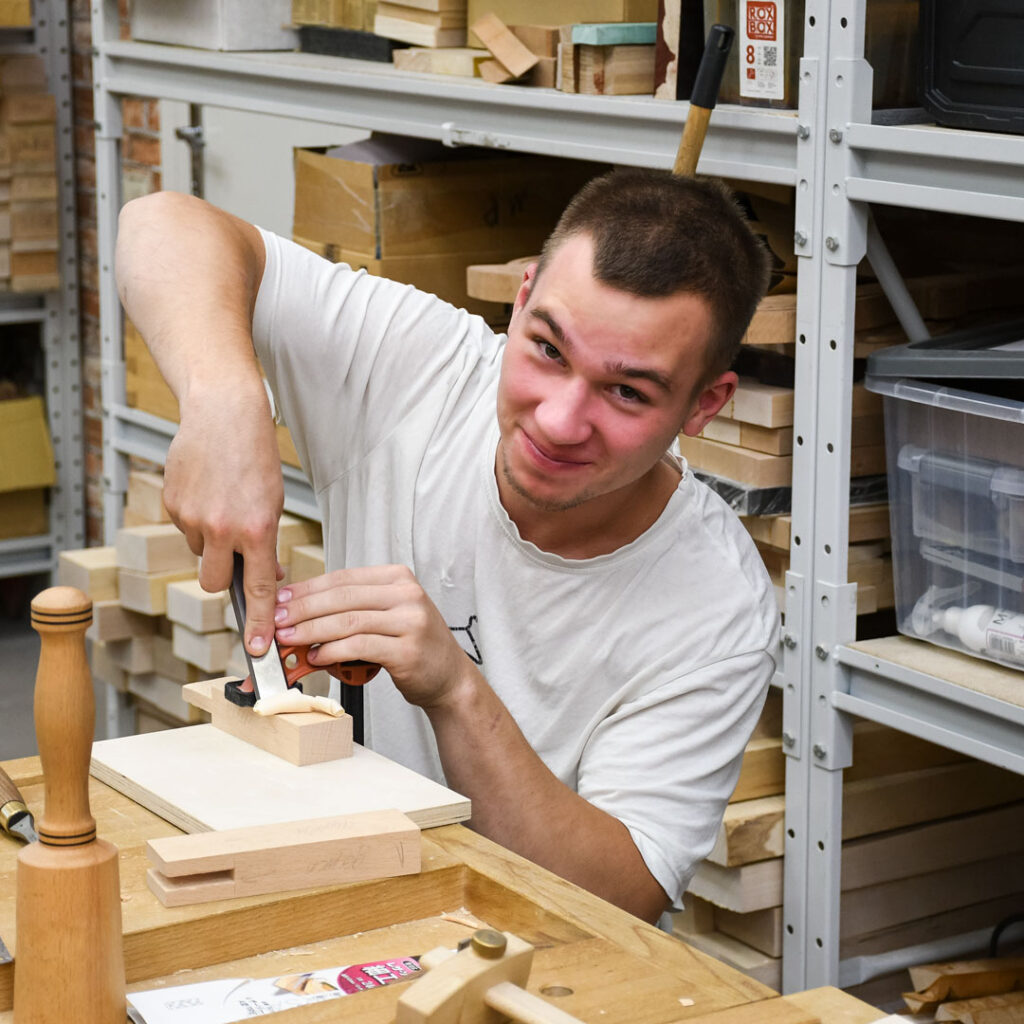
{"points": [[56, 313], [838, 161]]}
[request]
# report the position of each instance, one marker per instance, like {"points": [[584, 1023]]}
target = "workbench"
{"points": [[593, 960]]}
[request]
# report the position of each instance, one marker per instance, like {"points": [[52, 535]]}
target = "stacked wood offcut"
{"points": [[154, 628], [29, 223], [933, 847], [989, 991]]}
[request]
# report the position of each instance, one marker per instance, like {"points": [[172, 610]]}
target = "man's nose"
{"points": [[564, 414]]}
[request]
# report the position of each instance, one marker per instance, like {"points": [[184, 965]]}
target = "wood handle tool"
{"points": [[15, 817], [702, 99], [70, 958]]}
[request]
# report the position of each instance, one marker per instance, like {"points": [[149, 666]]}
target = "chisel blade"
{"points": [[266, 670]]}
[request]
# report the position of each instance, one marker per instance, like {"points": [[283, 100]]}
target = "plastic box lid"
{"points": [[994, 352]]}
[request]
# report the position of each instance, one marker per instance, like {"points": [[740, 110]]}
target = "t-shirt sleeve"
{"points": [[666, 764], [348, 355]]}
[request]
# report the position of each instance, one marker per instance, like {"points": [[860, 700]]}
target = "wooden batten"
{"points": [[157, 547], [91, 570], [195, 608], [146, 592], [282, 857]]}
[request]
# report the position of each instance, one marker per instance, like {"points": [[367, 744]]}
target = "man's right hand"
{"points": [[223, 489]]}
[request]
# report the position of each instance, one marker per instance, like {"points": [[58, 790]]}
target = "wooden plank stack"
{"points": [[933, 846], [428, 23], [29, 218], [154, 628]]}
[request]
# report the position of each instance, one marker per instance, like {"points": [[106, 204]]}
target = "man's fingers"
{"points": [[260, 584], [215, 567]]}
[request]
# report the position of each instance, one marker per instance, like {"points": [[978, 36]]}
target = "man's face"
{"points": [[595, 384]]}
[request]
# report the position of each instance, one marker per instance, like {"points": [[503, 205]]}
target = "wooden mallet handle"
{"points": [[703, 99], [65, 712]]}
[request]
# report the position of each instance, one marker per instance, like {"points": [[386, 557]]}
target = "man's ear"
{"points": [[525, 287], [709, 402]]}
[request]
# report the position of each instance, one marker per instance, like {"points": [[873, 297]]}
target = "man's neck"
{"points": [[597, 526]]}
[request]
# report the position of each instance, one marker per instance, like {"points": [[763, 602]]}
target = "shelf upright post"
{"points": [[811, 882], [106, 28], [59, 327]]}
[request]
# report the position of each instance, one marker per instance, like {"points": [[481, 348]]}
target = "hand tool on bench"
{"points": [[283, 666], [702, 99], [15, 818], [70, 959]]}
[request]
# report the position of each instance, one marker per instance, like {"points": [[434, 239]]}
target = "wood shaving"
{"points": [[292, 702]]}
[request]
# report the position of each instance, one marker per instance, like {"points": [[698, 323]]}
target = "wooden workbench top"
{"points": [[617, 967]]}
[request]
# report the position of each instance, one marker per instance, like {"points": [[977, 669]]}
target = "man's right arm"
{"points": [[188, 274]]}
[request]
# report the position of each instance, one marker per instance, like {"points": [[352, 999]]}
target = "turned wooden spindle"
{"points": [[69, 960]]}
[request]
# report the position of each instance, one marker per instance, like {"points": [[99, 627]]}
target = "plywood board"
{"points": [[202, 779]]}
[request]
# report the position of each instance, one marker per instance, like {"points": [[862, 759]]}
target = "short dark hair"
{"points": [[656, 234]]}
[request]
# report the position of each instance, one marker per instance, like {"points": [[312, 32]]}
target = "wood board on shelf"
{"points": [[202, 779]]}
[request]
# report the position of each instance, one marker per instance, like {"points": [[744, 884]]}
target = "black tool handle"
{"points": [[702, 99]]}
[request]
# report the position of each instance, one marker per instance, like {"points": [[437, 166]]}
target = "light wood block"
{"points": [[112, 621], [157, 547], [165, 694], [772, 440], [170, 773], [147, 592], [757, 965], [738, 464], [307, 562], [209, 651], [166, 663], [753, 830], [541, 40], [91, 570], [497, 282], [453, 60], [134, 655], [626, 70], [104, 669], [293, 531], [506, 47], [309, 737], [279, 858], [145, 497], [493, 71], [195, 608], [415, 32]]}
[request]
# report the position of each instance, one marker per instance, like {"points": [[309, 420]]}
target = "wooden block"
{"points": [[503, 43], [964, 979], [452, 60], [134, 655], [166, 663], [615, 33], [567, 68], [309, 737], [147, 592], [415, 32], [112, 621], [763, 772], [150, 719], [1004, 1008], [293, 531], [307, 562], [145, 496], [103, 668], [615, 70], [543, 75], [769, 725], [91, 570], [493, 71], [497, 282], [164, 693], [541, 40], [761, 930], [738, 464], [209, 651], [773, 440], [763, 968], [159, 547], [753, 830], [191, 606], [278, 858]]}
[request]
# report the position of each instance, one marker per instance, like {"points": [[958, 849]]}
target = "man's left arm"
{"points": [[381, 614]]}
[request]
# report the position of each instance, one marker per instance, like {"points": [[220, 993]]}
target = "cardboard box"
{"points": [[23, 513], [216, 24], [389, 197], [26, 454], [16, 13], [559, 12]]}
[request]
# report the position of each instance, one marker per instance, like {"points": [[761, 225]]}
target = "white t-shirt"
{"points": [[637, 676]]}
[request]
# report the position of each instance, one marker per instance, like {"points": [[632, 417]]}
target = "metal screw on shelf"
{"points": [[789, 640], [799, 238], [819, 751], [803, 131], [821, 651], [831, 243], [788, 739], [835, 135]]}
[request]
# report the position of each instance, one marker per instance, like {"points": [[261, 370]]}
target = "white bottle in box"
{"points": [[985, 629]]}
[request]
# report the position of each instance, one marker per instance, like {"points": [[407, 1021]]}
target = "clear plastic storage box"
{"points": [[954, 426]]}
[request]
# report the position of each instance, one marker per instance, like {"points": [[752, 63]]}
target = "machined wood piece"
{"points": [[91, 570], [541, 40], [146, 592], [69, 901], [307, 562], [209, 651], [507, 48], [625, 70], [293, 531], [145, 497], [309, 737], [112, 621], [282, 857], [452, 60], [157, 547], [195, 608]]}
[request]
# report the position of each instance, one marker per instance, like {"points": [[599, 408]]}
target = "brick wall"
{"points": [[141, 174]]}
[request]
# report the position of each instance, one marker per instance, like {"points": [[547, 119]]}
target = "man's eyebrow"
{"points": [[553, 325], [640, 373]]}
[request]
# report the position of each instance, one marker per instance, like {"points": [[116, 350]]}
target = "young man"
{"points": [[576, 633]]}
